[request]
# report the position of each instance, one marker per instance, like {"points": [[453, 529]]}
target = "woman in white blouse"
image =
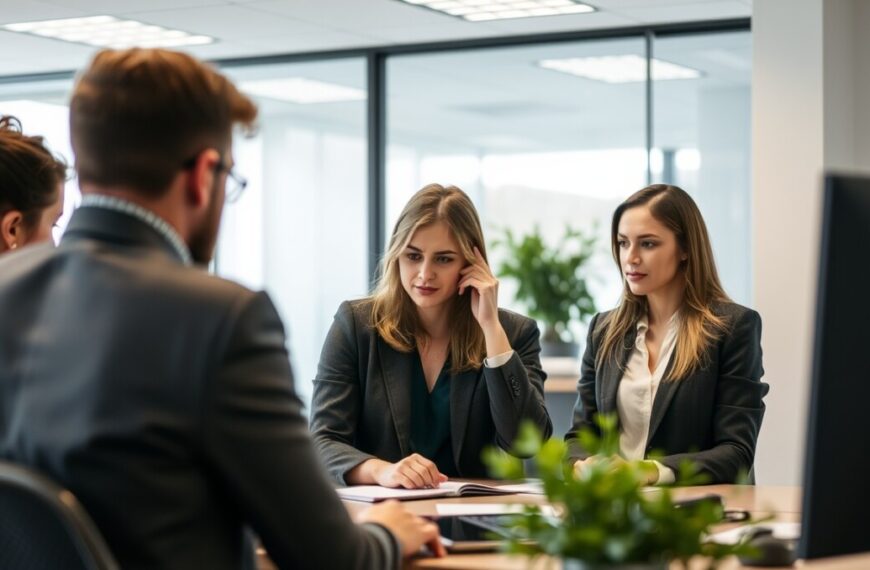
{"points": [[677, 361]]}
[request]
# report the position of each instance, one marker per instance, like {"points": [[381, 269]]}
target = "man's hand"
{"points": [[411, 531]]}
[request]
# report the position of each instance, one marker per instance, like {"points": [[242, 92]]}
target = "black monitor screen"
{"points": [[836, 504]]}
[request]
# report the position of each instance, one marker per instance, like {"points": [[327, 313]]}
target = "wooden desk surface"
{"points": [[783, 502], [561, 384]]}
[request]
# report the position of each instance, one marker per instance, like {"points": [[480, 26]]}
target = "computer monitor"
{"points": [[836, 504]]}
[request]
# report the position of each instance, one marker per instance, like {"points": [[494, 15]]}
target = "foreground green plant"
{"points": [[605, 516]]}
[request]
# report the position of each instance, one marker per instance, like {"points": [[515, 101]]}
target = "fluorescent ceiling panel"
{"points": [[488, 10], [619, 68], [301, 90], [109, 32]]}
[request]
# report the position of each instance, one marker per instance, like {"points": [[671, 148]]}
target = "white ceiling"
{"points": [[267, 27]]}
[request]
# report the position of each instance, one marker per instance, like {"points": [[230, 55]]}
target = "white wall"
{"points": [[810, 77], [788, 144]]}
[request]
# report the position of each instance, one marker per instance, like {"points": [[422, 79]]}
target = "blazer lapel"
{"points": [[461, 393], [397, 369], [664, 394], [612, 374]]}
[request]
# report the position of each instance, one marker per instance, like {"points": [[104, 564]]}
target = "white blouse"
{"points": [[637, 392]]}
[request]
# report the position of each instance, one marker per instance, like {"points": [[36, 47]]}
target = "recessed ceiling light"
{"points": [[300, 90], [108, 31], [488, 10], [619, 68]]}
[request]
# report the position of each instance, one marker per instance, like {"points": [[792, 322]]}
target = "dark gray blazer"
{"points": [[362, 396], [162, 397], [712, 417]]}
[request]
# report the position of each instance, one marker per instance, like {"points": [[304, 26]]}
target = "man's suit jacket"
{"points": [[362, 396], [162, 397], [711, 417]]}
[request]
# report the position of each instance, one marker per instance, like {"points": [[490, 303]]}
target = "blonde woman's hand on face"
{"points": [[484, 291], [411, 531], [412, 472], [484, 303]]}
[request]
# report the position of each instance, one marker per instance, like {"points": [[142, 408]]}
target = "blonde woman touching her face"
{"points": [[676, 361], [416, 380]]}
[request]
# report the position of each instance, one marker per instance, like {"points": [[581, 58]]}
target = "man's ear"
{"points": [[12, 229], [200, 180]]}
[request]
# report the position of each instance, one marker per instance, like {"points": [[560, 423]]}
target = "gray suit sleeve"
{"points": [[256, 441], [586, 407], [739, 406], [516, 389], [337, 398]]}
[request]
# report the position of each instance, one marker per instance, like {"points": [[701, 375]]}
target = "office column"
{"points": [[810, 75]]}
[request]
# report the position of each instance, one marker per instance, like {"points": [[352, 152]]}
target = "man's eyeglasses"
{"points": [[236, 184]]}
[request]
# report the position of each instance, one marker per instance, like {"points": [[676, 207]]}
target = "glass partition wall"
{"points": [[535, 146], [299, 230], [545, 133], [702, 142]]}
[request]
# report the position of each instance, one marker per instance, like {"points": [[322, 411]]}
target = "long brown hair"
{"points": [[698, 325], [394, 314]]}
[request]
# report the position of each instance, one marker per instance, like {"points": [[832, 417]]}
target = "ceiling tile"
{"points": [[113, 7], [226, 22], [27, 11], [619, 5], [354, 14], [574, 22], [688, 12], [283, 44], [37, 48], [434, 33]]}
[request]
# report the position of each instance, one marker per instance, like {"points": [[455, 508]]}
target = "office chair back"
{"points": [[43, 526]]}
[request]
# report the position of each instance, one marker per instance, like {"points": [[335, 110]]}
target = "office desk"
{"points": [[783, 502]]}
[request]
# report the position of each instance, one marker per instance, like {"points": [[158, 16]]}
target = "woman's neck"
{"points": [[435, 322], [662, 304]]}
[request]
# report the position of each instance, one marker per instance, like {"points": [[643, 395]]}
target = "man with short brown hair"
{"points": [[158, 394]]}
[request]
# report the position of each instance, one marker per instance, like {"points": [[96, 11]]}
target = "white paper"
{"points": [[377, 493], [465, 509], [784, 530], [529, 488]]}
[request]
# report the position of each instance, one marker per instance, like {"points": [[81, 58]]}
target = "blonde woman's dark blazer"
{"points": [[711, 417], [362, 396]]}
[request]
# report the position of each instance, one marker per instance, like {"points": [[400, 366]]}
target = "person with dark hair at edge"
{"points": [[31, 187], [160, 395]]}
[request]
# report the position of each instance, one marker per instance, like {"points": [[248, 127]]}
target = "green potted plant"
{"points": [[605, 519], [551, 282]]}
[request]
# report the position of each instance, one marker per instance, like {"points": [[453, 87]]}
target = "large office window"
{"points": [[531, 141], [300, 229], [702, 141], [539, 134], [554, 134]]}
